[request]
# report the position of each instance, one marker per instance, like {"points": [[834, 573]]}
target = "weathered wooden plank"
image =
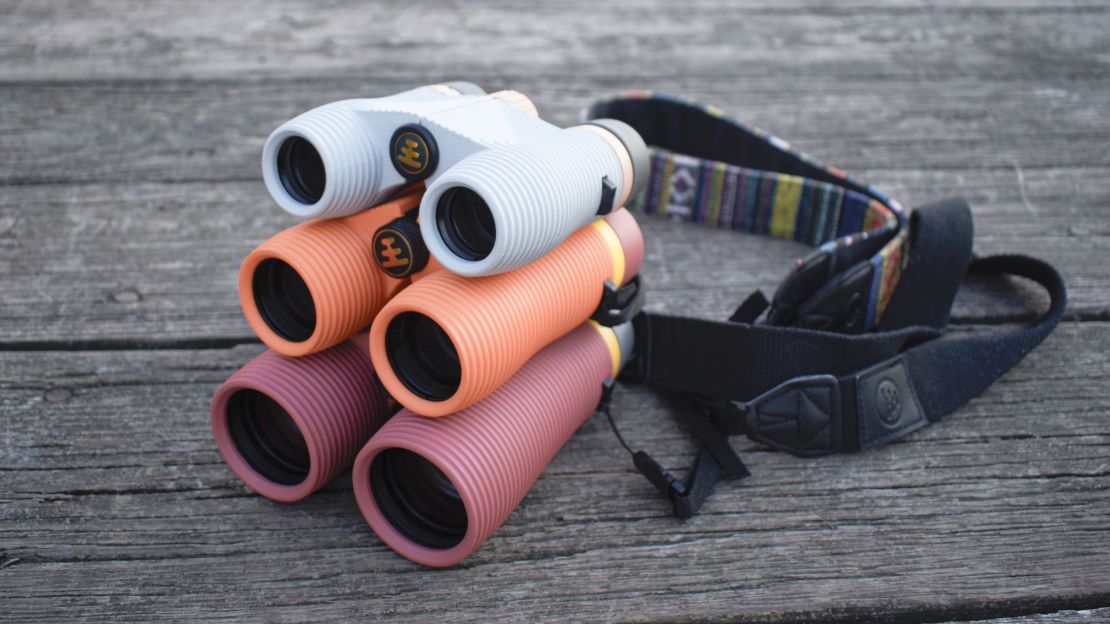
{"points": [[188, 131], [135, 39], [151, 263], [1091, 615], [129, 193], [115, 504], [158, 263]]}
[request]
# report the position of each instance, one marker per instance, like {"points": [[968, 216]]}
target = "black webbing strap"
{"points": [[818, 392]]}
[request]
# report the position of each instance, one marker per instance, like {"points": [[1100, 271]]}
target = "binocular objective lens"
{"points": [[301, 170], [267, 438], [283, 300], [465, 223], [423, 356], [417, 499]]}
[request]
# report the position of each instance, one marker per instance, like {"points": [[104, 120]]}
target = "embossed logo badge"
{"points": [[888, 402], [393, 252], [413, 151]]}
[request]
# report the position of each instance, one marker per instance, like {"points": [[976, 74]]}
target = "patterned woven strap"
{"points": [[758, 183], [782, 206]]}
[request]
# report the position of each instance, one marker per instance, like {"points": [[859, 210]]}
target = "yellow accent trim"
{"points": [[615, 248], [784, 212], [610, 337], [663, 210]]}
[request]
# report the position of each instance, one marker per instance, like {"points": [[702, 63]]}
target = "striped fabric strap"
{"points": [[712, 169], [790, 207]]}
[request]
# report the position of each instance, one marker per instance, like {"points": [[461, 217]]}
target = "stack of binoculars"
{"points": [[446, 319]]}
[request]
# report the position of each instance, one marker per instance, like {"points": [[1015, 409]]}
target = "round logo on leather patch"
{"points": [[413, 152], [888, 402]]}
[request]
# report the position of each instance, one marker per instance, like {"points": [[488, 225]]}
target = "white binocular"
{"points": [[504, 187]]}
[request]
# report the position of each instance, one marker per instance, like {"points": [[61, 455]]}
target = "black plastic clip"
{"points": [[608, 195], [620, 303], [667, 484]]}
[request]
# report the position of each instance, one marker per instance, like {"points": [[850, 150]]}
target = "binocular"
{"points": [[504, 187], [454, 310], [447, 341], [435, 489]]}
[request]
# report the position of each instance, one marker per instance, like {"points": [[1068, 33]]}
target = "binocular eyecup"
{"points": [[418, 499], [423, 356], [301, 170], [314, 285], [284, 300], [267, 437], [466, 223], [286, 426]]}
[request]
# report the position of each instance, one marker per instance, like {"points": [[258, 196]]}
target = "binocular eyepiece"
{"points": [[503, 186], [286, 426]]}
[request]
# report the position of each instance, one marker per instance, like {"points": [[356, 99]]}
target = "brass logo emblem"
{"points": [[393, 252], [413, 151]]}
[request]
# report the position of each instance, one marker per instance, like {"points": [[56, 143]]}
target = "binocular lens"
{"points": [[283, 300], [418, 499], [465, 223], [301, 170], [422, 356], [267, 437]]}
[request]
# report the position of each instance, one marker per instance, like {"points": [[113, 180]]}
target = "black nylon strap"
{"points": [[724, 359], [828, 413], [820, 392], [949, 372], [940, 253]]}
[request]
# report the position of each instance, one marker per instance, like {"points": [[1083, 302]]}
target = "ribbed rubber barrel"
{"points": [[352, 162], [492, 452], [335, 260], [341, 135], [332, 397], [538, 193], [495, 323]]}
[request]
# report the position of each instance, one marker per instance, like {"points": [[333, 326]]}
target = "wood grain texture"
{"points": [[117, 502], [156, 263], [1090, 615], [130, 133], [130, 39]]}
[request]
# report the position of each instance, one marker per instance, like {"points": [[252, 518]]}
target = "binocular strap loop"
{"points": [[715, 460]]}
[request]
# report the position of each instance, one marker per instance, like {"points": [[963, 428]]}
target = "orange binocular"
{"points": [[447, 341], [316, 284]]}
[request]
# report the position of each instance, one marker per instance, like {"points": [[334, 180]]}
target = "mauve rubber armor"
{"points": [[494, 451], [333, 397]]}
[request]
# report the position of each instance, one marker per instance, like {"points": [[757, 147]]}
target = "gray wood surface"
{"points": [[130, 191]]}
